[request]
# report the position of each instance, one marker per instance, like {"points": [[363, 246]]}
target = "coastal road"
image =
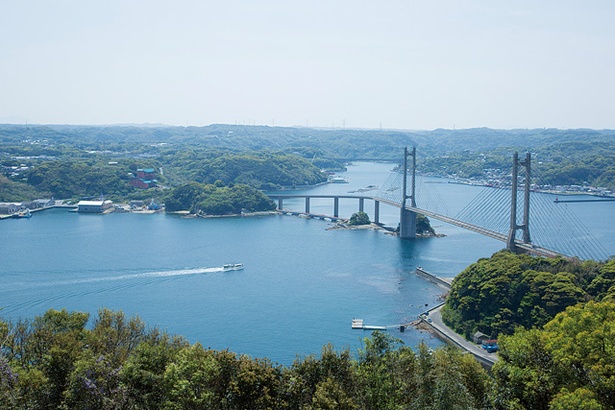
{"points": [[436, 323]]}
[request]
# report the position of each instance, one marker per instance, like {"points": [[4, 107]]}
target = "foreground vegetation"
{"points": [[568, 364], [55, 361]]}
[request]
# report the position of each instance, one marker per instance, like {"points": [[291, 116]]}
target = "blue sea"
{"points": [[302, 285]]}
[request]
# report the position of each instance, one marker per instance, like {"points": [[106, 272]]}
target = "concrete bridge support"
{"points": [[361, 204], [407, 224], [336, 207], [280, 203], [376, 212], [307, 205]]}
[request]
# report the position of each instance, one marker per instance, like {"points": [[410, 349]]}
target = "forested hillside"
{"points": [[267, 157], [498, 294]]}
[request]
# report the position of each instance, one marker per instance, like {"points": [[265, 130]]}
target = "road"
{"points": [[436, 323]]}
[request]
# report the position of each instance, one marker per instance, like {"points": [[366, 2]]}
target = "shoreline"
{"points": [[187, 214], [431, 321]]}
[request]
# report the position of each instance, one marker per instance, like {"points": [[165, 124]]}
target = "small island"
{"points": [[360, 221], [218, 199]]}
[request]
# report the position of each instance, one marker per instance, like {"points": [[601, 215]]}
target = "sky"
{"points": [[394, 64]]}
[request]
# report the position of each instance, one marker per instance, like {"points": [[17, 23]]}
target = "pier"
{"points": [[358, 324]]}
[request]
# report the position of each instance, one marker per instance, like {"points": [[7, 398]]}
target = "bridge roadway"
{"points": [[527, 247]]}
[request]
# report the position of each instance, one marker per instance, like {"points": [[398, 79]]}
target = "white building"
{"points": [[96, 206]]}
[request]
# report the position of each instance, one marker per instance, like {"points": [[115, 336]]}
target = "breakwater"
{"points": [[442, 282]]}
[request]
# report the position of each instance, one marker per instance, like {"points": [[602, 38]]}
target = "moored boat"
{"points": [[22, 214]]}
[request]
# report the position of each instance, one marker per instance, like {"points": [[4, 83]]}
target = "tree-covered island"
{"points": [[360, 219]]}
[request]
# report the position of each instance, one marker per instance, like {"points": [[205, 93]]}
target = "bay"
{"points": [[301, 286]]}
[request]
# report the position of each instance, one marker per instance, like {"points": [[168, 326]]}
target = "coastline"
{"points": [[431, 321], [188, 214]]}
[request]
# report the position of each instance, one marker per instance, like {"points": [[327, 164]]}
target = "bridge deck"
{"points": [[528, 247]]}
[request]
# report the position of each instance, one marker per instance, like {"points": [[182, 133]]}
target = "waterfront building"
{"points": [[9, 208], [40, 203], [96, 206]]}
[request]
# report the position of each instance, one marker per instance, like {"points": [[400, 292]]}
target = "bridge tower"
{"points": [[407, 218], [525, 225]]}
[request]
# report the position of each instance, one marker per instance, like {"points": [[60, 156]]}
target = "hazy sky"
{"points": [[393, 64]]}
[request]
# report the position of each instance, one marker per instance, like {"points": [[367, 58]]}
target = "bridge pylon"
{"points": [[525, 225], [407, 218]]}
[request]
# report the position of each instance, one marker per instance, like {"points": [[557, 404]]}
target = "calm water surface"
{"points": [[301, 286]]}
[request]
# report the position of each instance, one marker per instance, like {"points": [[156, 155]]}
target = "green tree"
{"points": [[195, 380], [143, 373], [423, 225], [570, 362], [359, 218], [523, 374], [579, 399]]}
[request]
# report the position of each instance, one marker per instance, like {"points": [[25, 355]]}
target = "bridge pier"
{"points": [[336, 207], [307, 205], [361, 204], [376, 211], [407, 224], [280, 204]]}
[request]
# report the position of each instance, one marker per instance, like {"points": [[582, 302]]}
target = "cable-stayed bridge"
{"points": [[508, 210]]}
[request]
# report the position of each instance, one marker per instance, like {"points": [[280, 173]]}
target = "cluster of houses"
{"points": [[13, 171], [144, 178], [14, 208]]}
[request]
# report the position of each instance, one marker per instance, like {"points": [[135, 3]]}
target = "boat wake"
{"points": [[148, 274], [59, 290], [156, 274]]}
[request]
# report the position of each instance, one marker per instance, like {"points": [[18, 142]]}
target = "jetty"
{"points": [[357, 324]]}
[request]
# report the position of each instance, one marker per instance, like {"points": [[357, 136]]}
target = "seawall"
{"points": [[444, 283]]}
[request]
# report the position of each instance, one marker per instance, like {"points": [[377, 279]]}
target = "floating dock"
{"points": [[357, 324]]}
